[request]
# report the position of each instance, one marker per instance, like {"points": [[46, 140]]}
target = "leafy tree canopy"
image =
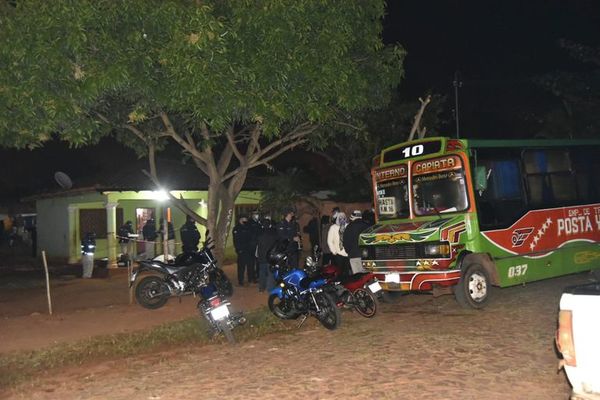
{"points": [[67, 64], [233, 83]]}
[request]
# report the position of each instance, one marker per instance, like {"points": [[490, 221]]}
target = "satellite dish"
{"points": [[63, 180]]}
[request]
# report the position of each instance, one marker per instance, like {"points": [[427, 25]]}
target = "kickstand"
{"points": [[302, 321]]}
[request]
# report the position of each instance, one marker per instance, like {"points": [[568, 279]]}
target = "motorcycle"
{"points": [[199, 278], [296, 294], [358, 291]]}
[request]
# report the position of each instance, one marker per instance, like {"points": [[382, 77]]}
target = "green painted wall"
{"points": [[58, 230]]}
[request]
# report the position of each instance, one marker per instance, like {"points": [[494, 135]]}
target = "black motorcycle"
{"points": [[197, 275], [190, 274]]}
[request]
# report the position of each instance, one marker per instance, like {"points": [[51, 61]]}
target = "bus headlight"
{"points": [[437, 250], [364, 253]]}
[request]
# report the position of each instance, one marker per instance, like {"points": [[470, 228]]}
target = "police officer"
{"points": [[150, 235], [190, 236], [289, 230], [124, 231], [88, 248], [242, 240]]}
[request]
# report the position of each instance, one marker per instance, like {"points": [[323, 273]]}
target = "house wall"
{"points": [[57, 228]]}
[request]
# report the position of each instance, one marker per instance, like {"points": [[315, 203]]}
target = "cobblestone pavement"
{"points": [[420, 348]]}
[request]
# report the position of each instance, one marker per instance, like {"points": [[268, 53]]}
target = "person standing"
{"points": [[170, 236], [312, 229], [88, 248], [266, 241], [124, 231], [325, 225], [256, 229], [336, 245], [289, 230], [242, 241], [150, 235], [350, 240], [190, 236]]}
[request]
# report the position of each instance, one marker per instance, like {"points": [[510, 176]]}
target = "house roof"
{"points": [[174, 175]]}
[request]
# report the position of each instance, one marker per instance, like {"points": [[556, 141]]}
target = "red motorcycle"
{"points": [[358, 291]]}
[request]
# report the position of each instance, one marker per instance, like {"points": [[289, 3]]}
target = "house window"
{"points": [[94, 220]]}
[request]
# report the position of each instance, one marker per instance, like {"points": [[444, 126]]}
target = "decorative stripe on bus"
{"points": [[543, 231]]}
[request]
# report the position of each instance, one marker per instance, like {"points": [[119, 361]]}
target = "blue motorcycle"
{"points": [[296, 294]]}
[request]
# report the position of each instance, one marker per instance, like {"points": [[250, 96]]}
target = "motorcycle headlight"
{"points": [[437, 250]]}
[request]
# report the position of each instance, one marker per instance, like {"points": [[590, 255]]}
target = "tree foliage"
{"points": [[578, 92], [234, 84]]}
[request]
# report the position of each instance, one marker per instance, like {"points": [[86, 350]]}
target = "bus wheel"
{"points": [[474, 288]]}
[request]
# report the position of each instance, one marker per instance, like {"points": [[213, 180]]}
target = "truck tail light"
{"points": [[564, 337]]}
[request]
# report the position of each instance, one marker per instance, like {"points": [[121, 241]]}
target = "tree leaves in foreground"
{"points": [[233, 84]]}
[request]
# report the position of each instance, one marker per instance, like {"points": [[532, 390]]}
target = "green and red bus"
{"points": [[462, 216]]}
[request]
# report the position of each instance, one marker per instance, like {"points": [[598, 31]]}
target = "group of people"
{"points": [[253, 238], [190, 236], [340, 236]]}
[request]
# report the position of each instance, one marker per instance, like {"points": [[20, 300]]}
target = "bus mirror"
{"points": [[480, 179]]}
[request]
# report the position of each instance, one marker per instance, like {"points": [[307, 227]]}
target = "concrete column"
{"points": [[73, 239], [111, 232]]}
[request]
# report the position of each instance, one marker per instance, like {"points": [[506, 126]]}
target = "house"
{"points": [[103, 203]]}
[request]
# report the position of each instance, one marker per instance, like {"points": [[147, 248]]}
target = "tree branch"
{"points": [[179, 203], [418, 116]]}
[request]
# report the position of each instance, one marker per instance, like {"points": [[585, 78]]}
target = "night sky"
{"points": [[497, 46]]}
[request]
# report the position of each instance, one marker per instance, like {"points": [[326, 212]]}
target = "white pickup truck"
{"points": [[578, 339]]}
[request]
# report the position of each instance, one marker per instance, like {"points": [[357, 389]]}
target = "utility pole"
{"points": [[457, 84]]}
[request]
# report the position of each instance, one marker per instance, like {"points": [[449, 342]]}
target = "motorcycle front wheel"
{"points": [[365, 302], [152, 292], [328, 315], [282, 308]]}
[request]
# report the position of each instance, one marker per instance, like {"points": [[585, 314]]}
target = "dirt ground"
{"points": [[420, 348], [83, 308]]}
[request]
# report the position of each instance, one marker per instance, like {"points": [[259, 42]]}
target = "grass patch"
{"points": [[20, 366]]}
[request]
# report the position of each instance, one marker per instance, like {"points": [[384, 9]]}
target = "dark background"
{"points": [[497, 47]]}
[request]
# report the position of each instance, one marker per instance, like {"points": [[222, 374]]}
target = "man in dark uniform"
{"points": [[150, 235], [190, 236], [242, 240], [288, 229], [256, 229]]}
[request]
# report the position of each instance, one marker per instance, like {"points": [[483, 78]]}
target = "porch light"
{"points": [[160, 195]]}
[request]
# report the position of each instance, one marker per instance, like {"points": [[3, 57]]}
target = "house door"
{"points": [[142, 215]]}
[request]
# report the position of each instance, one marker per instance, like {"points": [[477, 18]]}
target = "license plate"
{"points": [[220, 312], [375, 287], [395, 278]]}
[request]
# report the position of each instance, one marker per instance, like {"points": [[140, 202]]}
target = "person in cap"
{"points": [[350, 240], [124, 231], [335, 243], [190, 235], [289, 230], [243, 243]]}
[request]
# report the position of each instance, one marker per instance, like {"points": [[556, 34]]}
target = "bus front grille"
{"points": [[395, 252]]}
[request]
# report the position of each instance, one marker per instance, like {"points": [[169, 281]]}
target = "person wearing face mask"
{"points": [[242, 241], [256, 229], [336, 244], [289, 230]]}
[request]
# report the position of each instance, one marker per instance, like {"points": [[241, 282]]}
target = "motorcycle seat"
{"points": [[354, 277]]}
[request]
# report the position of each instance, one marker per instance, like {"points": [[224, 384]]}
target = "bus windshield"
{"points": [[439, 192], [392, 199]]}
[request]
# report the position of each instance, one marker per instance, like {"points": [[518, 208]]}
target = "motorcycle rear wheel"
{"points": [[329, 315], [365, 302], [282, 308], [152, 292], [227, 331]]}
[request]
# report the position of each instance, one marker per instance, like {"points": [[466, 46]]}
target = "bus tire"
{"points": [[474, 287]]}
